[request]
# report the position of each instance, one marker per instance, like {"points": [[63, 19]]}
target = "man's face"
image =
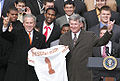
{"points": [[105, 16], [50, 16], [100, 3], [13, 15], [65, 29], [69, 9], [102, 32], [49, 5], [29, 24], [20, 6], [75, 26]]}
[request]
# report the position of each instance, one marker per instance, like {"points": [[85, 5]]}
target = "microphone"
{"points": [[107, 51]]}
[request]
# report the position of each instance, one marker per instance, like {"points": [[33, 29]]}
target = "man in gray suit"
{"points": [[81, 48], [69, 8]]}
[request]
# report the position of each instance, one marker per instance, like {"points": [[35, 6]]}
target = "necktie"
{"points": [[75, 39], [30, 38], [104, 52], [46, 32]]}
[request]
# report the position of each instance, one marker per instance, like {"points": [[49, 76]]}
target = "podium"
{"points": [[96, 63]]}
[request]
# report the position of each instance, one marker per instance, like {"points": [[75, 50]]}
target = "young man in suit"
{"points": [[80, 7], [69, 8], [48, 27], [22, 40], [105, 16], [113, 49], [11, 19], [92, 17], [81, 44]]}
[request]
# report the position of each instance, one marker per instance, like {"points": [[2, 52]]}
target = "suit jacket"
{"points": [[62, 20], [5, 46], [92, 19], [80, 7], [18, 68], [78, 57], [55, 34], [33, 5], [7, 4], [116, 32], [40, 17]]}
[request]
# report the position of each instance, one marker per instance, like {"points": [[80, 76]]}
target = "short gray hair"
{"points": [[76, 17], [29, 15]]}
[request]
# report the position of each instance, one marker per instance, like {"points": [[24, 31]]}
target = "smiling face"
{"points": [[100, 3], [13, 15], [20, 6], [75, 26], [50, 16], [29, 24], [69, 9], [105, 16]]}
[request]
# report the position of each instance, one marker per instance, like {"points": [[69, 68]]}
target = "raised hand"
{"points": [[110, 25], [5, 21]]}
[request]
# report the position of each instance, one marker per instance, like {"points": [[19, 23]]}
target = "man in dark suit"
{"points": [[80, 7], [5, 22], [113, 49], [36, 6], [105, 15], [92, 17], [48, 27], [81, 44], [22, 40], [11, 19]]}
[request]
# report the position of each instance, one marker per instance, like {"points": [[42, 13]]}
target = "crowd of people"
{"points": [[85, 26]]}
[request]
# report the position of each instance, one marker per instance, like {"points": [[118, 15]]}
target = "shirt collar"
{"points": [[77, 34], [101, 25]]}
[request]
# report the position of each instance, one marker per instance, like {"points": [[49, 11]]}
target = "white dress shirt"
{"points": [[49, 31], [77, 34], [107, 45]]}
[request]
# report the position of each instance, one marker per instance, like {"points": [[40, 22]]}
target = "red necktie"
{"points": [[104, 52], [46, 32], [30, 38]]}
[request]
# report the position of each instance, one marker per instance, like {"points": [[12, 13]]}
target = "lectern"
{"points": [[96, 63]]}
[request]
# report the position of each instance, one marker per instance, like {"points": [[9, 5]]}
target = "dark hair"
{"points": [[52, 9], [69, 2], [44, 1], [12, 8], [17, 1], [103, 28], [65, 25], [107, 8]]}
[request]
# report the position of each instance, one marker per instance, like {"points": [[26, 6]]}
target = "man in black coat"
{"points": [[22, 40], [49, 26]]}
